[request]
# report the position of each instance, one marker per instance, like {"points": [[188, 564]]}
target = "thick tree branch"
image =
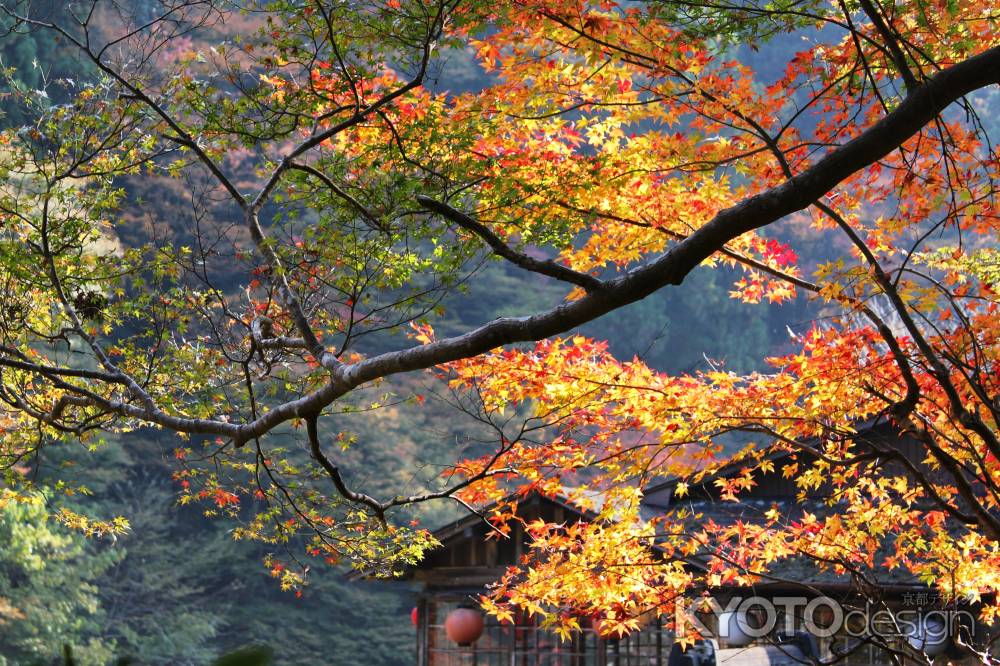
{"points": [[918, 109]]}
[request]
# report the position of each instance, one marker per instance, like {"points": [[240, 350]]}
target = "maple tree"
{"points": [[333, 197]]}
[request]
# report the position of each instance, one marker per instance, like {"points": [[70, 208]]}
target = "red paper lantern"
{"points": [[413, 616], [464, 625]]}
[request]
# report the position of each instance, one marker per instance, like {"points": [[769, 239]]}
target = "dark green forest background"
{"points": [[178, 589]]}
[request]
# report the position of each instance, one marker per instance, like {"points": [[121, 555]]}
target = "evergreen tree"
{"points": [[35, 63], [157, 609], [48, 592]]}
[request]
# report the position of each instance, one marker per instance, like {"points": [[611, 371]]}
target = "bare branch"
{"points": [[501, 249]]}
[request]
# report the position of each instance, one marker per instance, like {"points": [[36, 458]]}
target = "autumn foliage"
{"points": [[338, 189]]}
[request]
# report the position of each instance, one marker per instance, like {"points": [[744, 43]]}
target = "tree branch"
{"points": [[896, 53], [919, 108], [501, 249], [367, 214], [334, 472]]}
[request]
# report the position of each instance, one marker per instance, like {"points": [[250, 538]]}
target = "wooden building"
{"points": [[467, 561]]}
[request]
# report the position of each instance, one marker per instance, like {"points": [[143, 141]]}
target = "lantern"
{"points": [[413, 616], [464, 625]]}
